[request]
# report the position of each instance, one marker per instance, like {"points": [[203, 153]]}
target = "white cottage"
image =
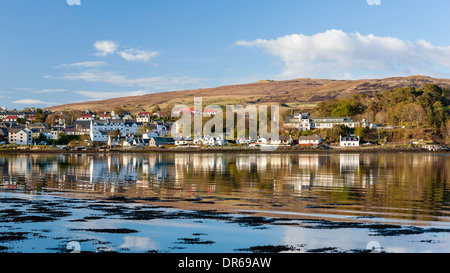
{"points": [[351, 141], [310, 140]]}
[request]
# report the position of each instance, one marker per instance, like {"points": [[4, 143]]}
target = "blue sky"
{"points": [[54, 53]]}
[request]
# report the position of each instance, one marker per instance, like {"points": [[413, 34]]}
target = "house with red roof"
{"points": [[144, 117], [10, 118], [86, 117]]}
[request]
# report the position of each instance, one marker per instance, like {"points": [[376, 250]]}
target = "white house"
{"points": [[20, 136], [282, 140], [184, 141], [244, 140], [149, 135], [86, 117], [310, 140], [351, 141], [210, 141], [263, 140], [304, 122], [99, 128], [105, 117], [10, 118], [144, 117]]}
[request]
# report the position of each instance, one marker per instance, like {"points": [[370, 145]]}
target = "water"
{"points": [[205, 202]]}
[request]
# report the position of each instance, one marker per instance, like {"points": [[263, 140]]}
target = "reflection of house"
{"points": [[310, 140], [349, 141]]}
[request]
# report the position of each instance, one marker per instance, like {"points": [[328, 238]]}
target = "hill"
{"points": [[290, 94]]}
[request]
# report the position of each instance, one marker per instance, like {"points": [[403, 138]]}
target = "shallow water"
{"points": [[225, 202]]}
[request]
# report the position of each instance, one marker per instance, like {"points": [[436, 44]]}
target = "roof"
{"points": [[163, 140], [332, 119], [11, 117], [313, 137], [349, 139]]}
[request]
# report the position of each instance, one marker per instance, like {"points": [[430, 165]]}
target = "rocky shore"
{"points": [[235, 149]]}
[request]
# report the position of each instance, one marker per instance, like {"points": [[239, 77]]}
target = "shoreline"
{"points": [[259, 150]]}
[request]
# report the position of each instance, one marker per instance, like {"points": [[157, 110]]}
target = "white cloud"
{"points": [[138, 55], [336, 54], [108, 95], [48, 91], [109, 47], [82, 64], [105, 47], [33, 101], [155, 82]]}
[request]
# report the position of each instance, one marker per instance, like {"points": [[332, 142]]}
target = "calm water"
{"points": [[405, 189]]}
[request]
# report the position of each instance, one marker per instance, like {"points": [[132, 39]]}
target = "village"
{"points": [[146, 129]]}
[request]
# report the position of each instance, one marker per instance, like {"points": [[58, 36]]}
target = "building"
{"points": [[87, 117], [184, 141], [310, 140], [105, 117], [209, 141], [160, 141], [82, 127], [304, 122], [10, 119], [263, 140], [20, 136], [3, 115], [351, 141], [144, 117], [100, 129], [282, 140], [244, 140]]}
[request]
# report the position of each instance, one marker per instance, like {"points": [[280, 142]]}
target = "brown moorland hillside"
{"points": [[290, 93]]}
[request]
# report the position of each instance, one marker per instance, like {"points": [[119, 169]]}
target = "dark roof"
{"points": [[163, 140], [349, 139], [313, 137]]}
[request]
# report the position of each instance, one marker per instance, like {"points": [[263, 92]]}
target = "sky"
{"points": [[52, 52]]}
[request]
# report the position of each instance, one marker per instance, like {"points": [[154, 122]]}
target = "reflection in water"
{"points": [[401, 185]]}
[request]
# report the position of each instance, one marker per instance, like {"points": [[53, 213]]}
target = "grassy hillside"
{"points": [[290, 94]]}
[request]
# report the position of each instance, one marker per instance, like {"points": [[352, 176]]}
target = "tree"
{"points": [[21, 120], [412, 113], [339, 130], [344, 110], [39, 116]]}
